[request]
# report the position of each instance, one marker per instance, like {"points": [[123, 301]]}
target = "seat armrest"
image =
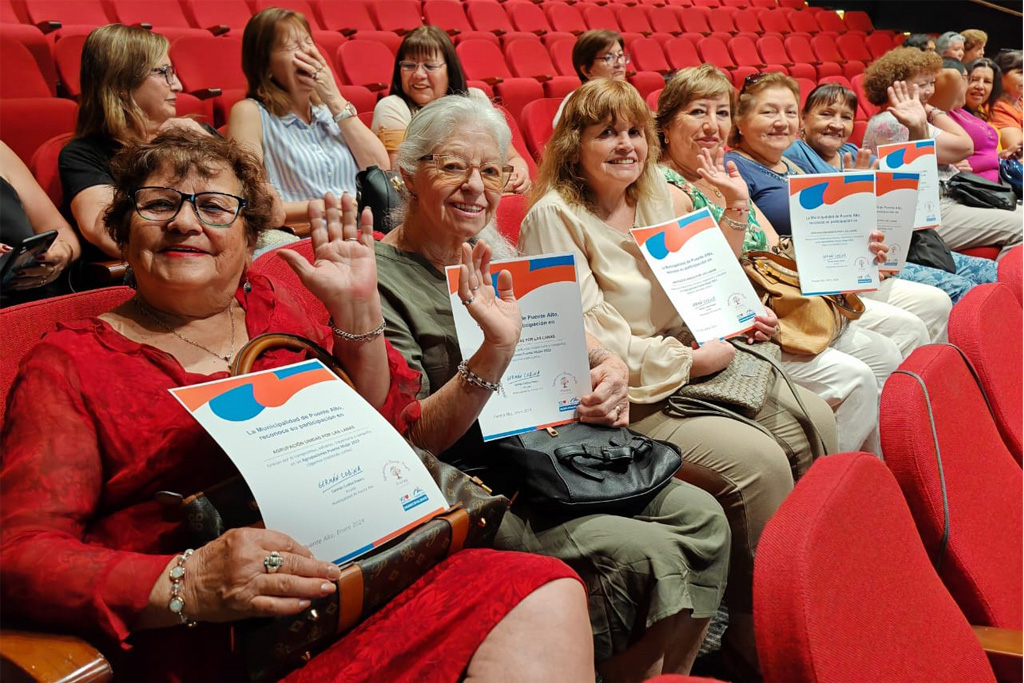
{"points": [[1004, 649], [206, 93], [48, 26], [218, 30], [51, 658], [103, 273]]}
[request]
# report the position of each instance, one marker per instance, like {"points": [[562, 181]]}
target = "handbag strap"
{"points": [[257, 346], [944, 540], [805, 419]]}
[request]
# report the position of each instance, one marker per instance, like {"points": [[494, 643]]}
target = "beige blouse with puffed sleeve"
{"points": [[623, 304]]}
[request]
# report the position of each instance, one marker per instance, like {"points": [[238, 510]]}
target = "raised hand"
{"points": [[343, 274], [878, 247], [863, 161], [906, 107], [723, 177], [226, 579], [498, 316], [313, 69]]}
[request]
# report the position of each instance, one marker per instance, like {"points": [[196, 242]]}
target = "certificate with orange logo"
{"points": [[832, 217], [896, 198], [703, 279], [916, 156], [549, 372], [324, 466]]}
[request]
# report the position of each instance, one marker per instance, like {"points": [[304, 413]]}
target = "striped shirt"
{"points": [[305, 161]]}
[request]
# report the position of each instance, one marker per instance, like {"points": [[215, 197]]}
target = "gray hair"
{"points": [[946, 39], [441, 121]]}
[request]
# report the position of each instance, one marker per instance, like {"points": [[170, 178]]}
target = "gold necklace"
{"points": [[149, 313]]}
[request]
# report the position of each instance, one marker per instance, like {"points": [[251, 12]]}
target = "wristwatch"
{"points": [[347, 112]]}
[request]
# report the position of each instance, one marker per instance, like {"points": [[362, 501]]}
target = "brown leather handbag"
{"points": [[272, 647], [807, 324]]}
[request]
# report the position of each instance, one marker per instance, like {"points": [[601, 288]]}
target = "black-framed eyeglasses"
{"points": [[216, 209], [753, 78], [167, 72], [612, 59], [454, 170]]}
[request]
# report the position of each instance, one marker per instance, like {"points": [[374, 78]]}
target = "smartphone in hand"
{"points": [[24, 254]]}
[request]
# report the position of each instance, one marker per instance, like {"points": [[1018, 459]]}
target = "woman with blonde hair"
{"points": [[129, 91], [599, 179], [295, 118]]}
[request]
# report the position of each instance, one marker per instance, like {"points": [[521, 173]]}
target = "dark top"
{"points": [[768, 189], [14, 227]]}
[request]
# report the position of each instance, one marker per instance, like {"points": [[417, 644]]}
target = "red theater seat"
{"points": [[647, 55], [20, 75], [857, 20], [681, 53], [211, 68], [367, 63], [482, 61], [45, 168], [346, 16], [38, 46], [600, 17], [447, 15], [535, 121], [1010, 267], [565, 18], [29, 122], [527, 17], [713, 51], [528, 59], [397, 16], [219, 15], [165, 17]]}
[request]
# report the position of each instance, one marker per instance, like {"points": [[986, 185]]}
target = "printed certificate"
{"points": [[549, 372], [896, 197], [916, 156], [832, 217], [703, 279], [324, 466]]}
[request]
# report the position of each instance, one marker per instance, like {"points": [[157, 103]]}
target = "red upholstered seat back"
{"points": [[981, 565], [1010, 267], [977, 325], [24, 324], [275, 268], [843, 590]]}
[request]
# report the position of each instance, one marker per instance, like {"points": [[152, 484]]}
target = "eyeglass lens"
{"points": [[455, 169], [215, 209]]}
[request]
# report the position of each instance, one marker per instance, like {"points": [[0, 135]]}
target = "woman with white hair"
{"points": [[950, 44], [654, 578]]}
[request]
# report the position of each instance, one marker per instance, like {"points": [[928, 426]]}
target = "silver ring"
{"points": [[316, 74], [618, 410], [273, 562], [473, 289], [466, 302], [351, 239]]}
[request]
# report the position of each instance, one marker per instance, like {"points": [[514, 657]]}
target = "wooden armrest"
{"points": [[453, 31], [206, 93], [347, 31], [218, 30], [51, 658], [374, 87], [498, 32], [142, 24], [103, 273], [492, 80], [538, 31], [1005, 650], [48, 26], [543, 78]]}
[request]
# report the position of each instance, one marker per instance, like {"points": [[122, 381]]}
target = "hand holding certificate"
{"points": [[833, 216], [324, 466], [916, 156], [696, 267], [549, 373], [896, 197]]}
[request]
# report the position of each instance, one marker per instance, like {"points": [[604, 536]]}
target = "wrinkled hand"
{"points": [[963, 165], [877, 246], [608, 403], [343, 274], [519, 181], [765, 327], [498, 316], [225, 580], [905, 105], [863, 161], [314, 70], [715, 355], [724, 177], [49, 265]]}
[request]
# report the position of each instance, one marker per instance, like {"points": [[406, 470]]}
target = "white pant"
{"points": [[849, 375], [910, 313], [969, 226]]}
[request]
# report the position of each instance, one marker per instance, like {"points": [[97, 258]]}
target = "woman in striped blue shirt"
{"points": [[295, 118]]}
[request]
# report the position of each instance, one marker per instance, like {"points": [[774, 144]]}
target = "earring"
{"points": [[247, 286]]}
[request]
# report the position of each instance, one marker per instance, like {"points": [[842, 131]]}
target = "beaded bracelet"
{"points": [[177, 575], [476, 380], [348, 336]]}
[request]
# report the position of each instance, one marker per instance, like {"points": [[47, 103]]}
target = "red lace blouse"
{"points": [[91, 435]]}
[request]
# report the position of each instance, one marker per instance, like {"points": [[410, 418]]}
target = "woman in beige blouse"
{"points": [[599, 179]]}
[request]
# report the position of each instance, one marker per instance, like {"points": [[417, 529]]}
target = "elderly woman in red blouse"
{"points": [[92, 434]]}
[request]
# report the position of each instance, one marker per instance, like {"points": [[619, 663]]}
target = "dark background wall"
{"points": [[938, 16]]}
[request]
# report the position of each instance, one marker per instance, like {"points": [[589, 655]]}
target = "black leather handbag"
{"points": [[581, 469], [379, 190], [970, 189], [928, 249]]}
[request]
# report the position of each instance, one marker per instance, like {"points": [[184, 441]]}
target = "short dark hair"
{"points": [[423, 41], [183, 152], [1008, 60], [828, 93], [918, 40], [587, 47]]}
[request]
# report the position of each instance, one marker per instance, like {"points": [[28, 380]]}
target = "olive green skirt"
{"points": [[671, 557]]}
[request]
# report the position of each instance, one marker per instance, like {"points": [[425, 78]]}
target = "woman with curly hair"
{"points": [[903, 81]]}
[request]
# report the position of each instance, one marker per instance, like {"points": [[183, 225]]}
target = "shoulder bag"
{"points": [[807, 324], [272, 647], [743, 385], [974, 190], [379, 190], [582, 469]]}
